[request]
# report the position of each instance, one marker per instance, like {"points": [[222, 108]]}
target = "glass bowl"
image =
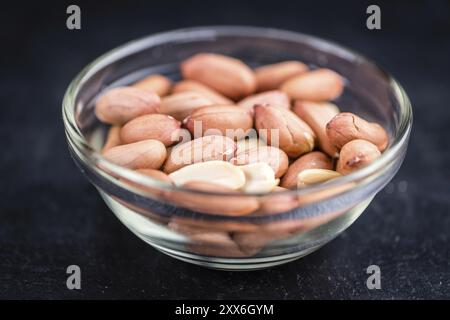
{"points": [[196, 226]]}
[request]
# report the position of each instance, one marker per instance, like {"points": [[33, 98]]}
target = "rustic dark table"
{"points": [[51, 217]]}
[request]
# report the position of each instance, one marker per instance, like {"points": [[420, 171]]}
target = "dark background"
{"points": [[51, 217]]}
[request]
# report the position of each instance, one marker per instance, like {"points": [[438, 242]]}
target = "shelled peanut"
{"points": [[225, 128]]}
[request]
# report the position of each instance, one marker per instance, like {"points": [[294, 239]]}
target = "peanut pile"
{"points": [[228, 128]]}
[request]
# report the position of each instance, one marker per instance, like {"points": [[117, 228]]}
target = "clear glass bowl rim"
{"points": [[93, 158]]}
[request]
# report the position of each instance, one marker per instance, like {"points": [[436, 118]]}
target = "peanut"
{"points": [[356, 154], [312, 160], [156, 174], [151, 126], [274, 157], [317, 115], [200, 150], [316, 85], [156, 83], [271, 76], [146, 154], [219, 172], [229, 76], [313, 176], [208, 93], [275, 203], [347, 126], [120, 105], [180, 105], [294, 135], [230, 121], [274, 98], [112, 139], [259, 178]]}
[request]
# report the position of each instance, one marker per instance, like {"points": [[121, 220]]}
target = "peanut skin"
{"points": [[151, 126], [228, 76], [274, 98], [208, 93], [120, 105], [316, 85], [180, 105], [295, 137], [347, 126], [312, 160], [355, 155]]}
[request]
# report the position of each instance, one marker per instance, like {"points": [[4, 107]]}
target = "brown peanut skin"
{"points": [[347, 126], [312, 160], [151, 126], [355, 155], [317, 115], [274, 98], [228, 76], [146, 154], [210, 94], [156, 83], [120, 105], [112, 139], [200, 150], [295, 136], [181, 104], [221, 118], [316, 85], [274, 157], [270, 77]]}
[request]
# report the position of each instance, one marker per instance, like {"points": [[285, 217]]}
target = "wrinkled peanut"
{"points": [[355, 155], [347, 126], [120, 105], [294, 135]]}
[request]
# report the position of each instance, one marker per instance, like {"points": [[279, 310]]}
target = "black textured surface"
{"points": [[50, 217]]}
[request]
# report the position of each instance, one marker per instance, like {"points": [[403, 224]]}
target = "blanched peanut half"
{"points": [[157, 83], [146, 154], [151, 126], [316, 85], [228, 76], [112, 139], [120, 105], [317, 115], [347, 126], [180, 105], [259, 178], [271, 76], [274, 98], [207, 92], [231, 121], [221, 173], [283, 129], [274, 157], [227, 205], [312, 160], [200, 150], [355, 155], [313, 176]]}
